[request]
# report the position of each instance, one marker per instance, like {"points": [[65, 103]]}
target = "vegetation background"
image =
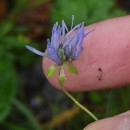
{"points": [[27, 100]]}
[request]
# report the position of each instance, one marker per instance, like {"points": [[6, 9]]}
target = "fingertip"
{"points": [[113, 123], [105, 60]]}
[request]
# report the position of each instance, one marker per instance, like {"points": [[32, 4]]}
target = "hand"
{"points": [[104, 63]]}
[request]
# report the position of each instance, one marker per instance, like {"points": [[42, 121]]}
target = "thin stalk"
{"points": [[78, 104], [26, 112]]}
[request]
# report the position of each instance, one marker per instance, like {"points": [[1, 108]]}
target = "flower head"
{"points": [[64, 45]]}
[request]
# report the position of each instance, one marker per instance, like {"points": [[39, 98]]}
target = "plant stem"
{"points": [[77, 103], [24, 110]]}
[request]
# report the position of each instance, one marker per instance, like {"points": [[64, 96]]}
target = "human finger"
{"points": [[121, 122], [105, 60]]}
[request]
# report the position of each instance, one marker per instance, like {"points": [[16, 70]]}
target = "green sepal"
{"points": [[51, 71], [72, 69], [61, 79], [62, 75]]}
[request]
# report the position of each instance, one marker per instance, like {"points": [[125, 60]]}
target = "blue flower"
{"points": [[64, 45]]}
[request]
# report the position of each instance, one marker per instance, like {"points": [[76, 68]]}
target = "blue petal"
{"points": [[77, 47], [77, 52], [71, 37], [72, 21], [56, 34], [67, 52], [37, 52], [88, 32], [53, 55]]}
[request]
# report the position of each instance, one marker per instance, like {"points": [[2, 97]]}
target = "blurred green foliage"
{"points": [[12, 51], [10, 47], [89, 11]]}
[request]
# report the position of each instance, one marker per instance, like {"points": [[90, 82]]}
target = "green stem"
{"points": [[78, 104], [27, 113]]}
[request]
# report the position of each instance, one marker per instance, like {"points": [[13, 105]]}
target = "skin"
{"points": [[104, 63]]}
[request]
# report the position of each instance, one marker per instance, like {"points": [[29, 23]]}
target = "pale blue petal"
{"points": [[53, 55], [88, 33], [56, 35], [37, 51], [72, 21], [67, 52]]}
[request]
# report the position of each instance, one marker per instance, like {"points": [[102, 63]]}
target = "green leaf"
{"points": [[72, 69], [8, 83], [24, 110], [51, 71]]}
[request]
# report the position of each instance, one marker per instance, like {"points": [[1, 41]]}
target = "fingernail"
{"points": [[113, 123]]}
